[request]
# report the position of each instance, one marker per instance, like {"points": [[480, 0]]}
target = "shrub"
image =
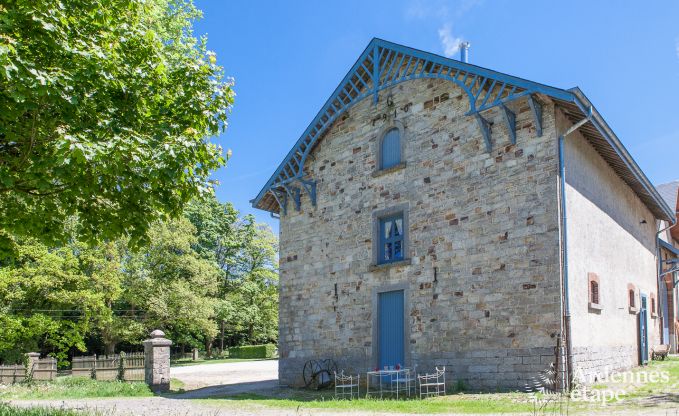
{"points": [[253, 351]]}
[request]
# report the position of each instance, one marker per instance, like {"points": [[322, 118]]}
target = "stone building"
{"points": [[438, 213]]}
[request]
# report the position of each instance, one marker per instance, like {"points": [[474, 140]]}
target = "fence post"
{"points": [[157, 362], [194, 357], [31, 364], [121, 366], [93, 373]]}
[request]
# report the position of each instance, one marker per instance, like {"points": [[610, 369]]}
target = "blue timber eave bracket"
{"points": [[376, 73], [484, 126], [281, 198], [295, 194], [536, 109], [310, 188], [510, 120]]}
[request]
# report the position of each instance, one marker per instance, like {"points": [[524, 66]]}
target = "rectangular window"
{"points": [[391, 240]]}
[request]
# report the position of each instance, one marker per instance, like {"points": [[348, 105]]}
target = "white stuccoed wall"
{"points": [[605, 237]]}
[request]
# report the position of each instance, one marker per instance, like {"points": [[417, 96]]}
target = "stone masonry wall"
{"points": [[487, 222]]}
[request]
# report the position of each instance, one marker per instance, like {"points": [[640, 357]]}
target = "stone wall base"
{"points": [[594, 363], [482, 370]]}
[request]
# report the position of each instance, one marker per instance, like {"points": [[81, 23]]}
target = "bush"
{"points": [[253, 351]]}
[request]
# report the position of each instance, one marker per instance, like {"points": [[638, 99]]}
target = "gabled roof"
{"points": [[670, 193], [384, 64]]}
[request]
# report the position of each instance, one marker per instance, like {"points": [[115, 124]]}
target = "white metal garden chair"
{"points": [[347, 386], [432, 384], [408, 382]]}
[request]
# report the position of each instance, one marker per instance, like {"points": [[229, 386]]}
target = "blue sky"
{"points": [[288, 57]]}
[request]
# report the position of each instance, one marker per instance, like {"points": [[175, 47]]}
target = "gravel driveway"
{"points": [[206, 380]]}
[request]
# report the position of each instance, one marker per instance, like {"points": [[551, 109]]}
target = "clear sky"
{"points": [[288, 56]]}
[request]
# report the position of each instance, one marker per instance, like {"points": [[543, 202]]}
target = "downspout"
{"points": [[659, 275], [564, 247]]}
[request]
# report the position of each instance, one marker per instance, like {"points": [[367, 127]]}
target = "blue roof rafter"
{"points": [[384, 64]]}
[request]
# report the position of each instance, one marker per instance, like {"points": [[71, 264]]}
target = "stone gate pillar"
{"points": [[157, 362], [31, 363]]}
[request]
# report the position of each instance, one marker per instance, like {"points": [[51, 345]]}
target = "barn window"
{"points": [[390, 152], [392, 239], [654, 312], [594, 292], [632, 297]]}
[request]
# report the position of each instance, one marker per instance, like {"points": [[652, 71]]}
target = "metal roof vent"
{"points": [[464, 51]]}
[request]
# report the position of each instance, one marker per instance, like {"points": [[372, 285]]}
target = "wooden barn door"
{"points": [[391, 329], [643, 331]]}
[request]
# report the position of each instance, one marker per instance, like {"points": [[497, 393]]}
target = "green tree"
{"points": [[173, 285], [105, 106], [54, 298], [251, 303]]}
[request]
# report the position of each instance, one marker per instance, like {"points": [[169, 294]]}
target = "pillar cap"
{"points": [[157, 334]]}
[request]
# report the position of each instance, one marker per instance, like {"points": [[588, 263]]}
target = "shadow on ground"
{"points": [[259, 387]]}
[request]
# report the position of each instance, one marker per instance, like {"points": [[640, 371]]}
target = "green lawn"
{"points": [[187, 362], [656, 384], [74, 388], [7, 410], [457, 403], [660, 392]]}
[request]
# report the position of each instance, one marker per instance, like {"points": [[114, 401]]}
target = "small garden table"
{"points": [[389, 381]]}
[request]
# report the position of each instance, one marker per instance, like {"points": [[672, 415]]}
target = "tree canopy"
{"points": [[80, 297], [105, 110]]}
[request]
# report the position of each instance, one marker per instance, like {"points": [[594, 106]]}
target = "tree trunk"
{"points": [[110, 348], [208, 347], [221, 341]]}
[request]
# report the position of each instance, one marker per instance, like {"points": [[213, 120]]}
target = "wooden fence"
{"points": [[43, 369], [12, 374], [127, 367]]}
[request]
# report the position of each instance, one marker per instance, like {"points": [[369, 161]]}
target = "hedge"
{"points": [[252, 351]]}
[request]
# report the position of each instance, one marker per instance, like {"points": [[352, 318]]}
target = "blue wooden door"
{"points": [[662, 304], [643, 331], [391, 339]]}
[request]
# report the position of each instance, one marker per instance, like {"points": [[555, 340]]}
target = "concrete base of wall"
{"points": [[593, 363], [486, 370]]}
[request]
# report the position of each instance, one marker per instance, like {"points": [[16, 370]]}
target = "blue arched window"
{"points": [[390, 153]]}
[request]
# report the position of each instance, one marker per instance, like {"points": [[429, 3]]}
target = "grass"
{"points": [[458, 403], [7, 410], [657, 393], [188, 362], [74, 388], [177, 386]]}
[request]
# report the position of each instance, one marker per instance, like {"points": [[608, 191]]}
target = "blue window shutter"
{"points": [[391, 148]]}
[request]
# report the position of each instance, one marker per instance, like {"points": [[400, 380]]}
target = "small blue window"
{"points": [[391, 239], [391, 149]]}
